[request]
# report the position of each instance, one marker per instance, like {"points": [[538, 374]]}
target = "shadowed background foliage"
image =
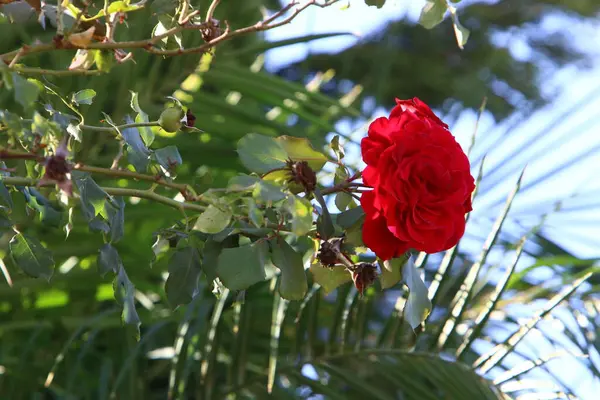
{"points": [[65, 339]]}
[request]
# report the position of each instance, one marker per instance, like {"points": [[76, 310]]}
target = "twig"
{"points": [[14, 60], [115, 163], [125, 192], [119, 173], [66, 72], [211, 10], [148, 44], [118, 127]]}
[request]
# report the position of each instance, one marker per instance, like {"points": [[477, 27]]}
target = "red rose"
{"points": [[421, 183]]}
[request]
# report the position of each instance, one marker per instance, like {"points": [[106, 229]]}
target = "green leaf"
{"points": [[343, 200], [13, 122], [461, 33], [184, 270], [5, 195], [350, 217], [260, 153], [213, 220], [302, 219], [26, 92], [433, 13], [168, 157], [324, 223], [116, 218], [5, 223], [337, 148], [108, 260], [329, 278], [43, 127], [210, 258], [31, 256], [125, 296], [391, 272], [418, 306], [377, 3], [85, 96], [257, 217], [241, 267], [292, 285], [300, 149], [49, 215], [266, 192], [91, 195], [242, 182], [137, 152], [146, 132]]}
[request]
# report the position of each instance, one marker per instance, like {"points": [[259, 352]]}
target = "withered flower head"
{"points": [[329, 251], [189, 119], [211, 31], [302, 174], [363, 276], [58, 169]]}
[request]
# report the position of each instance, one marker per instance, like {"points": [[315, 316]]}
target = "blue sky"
{"points": [[565, 136], [561, 142]]}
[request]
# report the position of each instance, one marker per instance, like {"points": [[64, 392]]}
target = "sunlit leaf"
{"points": [[213, 220], [329, 278], [85, 96], [266, 192], [82, 39], [302, 219], [391, 272], [260, 153], [433, 13], [300, 149]]}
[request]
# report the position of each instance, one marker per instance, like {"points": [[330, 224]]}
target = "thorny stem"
{"points": [[119, 173], [54, 72], [125, 192], [119, 127], [184, 189], [211, 10]]}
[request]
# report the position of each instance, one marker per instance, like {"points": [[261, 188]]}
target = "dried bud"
{"points": [[212, 31], [329, 252], [363, 276], [302, 174], [58, 170], [189, 119]]}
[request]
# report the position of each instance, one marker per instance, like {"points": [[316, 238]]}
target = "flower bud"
{"points": [[363, 276], [170, 119], [329, 252]]}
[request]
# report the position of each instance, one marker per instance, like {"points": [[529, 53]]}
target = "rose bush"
{"points": [[421, 183]]}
